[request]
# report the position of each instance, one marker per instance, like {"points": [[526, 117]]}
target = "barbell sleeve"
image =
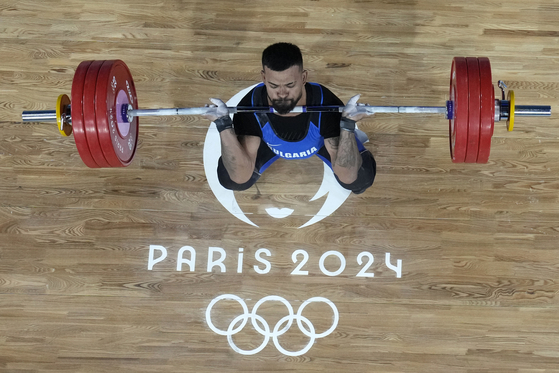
{"points": [[532, 110], [48, 116]]}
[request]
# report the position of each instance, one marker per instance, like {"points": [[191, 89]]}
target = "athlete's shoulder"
{"points": [[328, 97], [252, 96]]}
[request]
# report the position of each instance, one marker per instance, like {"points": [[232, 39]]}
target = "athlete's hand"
{"points": [[355, 111], [217, 110], [219, 114]]}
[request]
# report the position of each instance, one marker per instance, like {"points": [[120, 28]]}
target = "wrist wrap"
{"points": [[347, 124], [223, 123]]}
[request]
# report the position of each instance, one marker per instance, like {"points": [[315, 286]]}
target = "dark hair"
{"points": [[281, 56]]}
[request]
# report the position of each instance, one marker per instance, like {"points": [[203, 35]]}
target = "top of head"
{"points": [[281, 56]]}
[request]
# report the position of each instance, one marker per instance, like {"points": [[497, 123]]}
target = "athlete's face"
{"points": [[286, 89]]}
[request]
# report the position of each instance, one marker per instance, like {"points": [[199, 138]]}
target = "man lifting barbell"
{"points": [[103, 116], [253, 141]]}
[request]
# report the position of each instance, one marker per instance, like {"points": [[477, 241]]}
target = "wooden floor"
{"points": [[478, 244]]}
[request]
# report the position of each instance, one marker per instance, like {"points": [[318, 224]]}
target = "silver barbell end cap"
{"points": [[129, 115]]}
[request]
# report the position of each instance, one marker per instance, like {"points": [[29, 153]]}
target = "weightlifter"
{"points": [[251, 142]]}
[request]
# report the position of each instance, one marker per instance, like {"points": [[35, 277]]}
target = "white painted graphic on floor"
{"points": [[217, 258], [263, 328]]}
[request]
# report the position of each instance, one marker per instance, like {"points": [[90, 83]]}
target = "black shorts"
{"points": [[265, 156]]}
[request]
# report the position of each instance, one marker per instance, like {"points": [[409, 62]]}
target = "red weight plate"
{"points": [[115, 90], [89, 114], [78, 126], [458, 125], [487, 110], [474, 110]]}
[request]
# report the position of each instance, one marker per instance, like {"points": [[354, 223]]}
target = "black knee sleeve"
{"points": [[227, 183], [365, 176]]}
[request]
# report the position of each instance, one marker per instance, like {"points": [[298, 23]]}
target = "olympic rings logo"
{"points": [[262, 327]]}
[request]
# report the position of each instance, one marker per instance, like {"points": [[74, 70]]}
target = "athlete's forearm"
{"points": [[348, 160], [235, 158]]}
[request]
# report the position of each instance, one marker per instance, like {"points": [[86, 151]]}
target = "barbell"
{"points": [[103, 111]]}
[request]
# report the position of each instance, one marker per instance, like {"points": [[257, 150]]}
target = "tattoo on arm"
{"points": [[347, 153], [238, 154], [229, 160], [334, 142]]}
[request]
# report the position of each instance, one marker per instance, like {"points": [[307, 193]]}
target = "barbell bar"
{"points": [[129, 113], [52, 116], [103, 112]]}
